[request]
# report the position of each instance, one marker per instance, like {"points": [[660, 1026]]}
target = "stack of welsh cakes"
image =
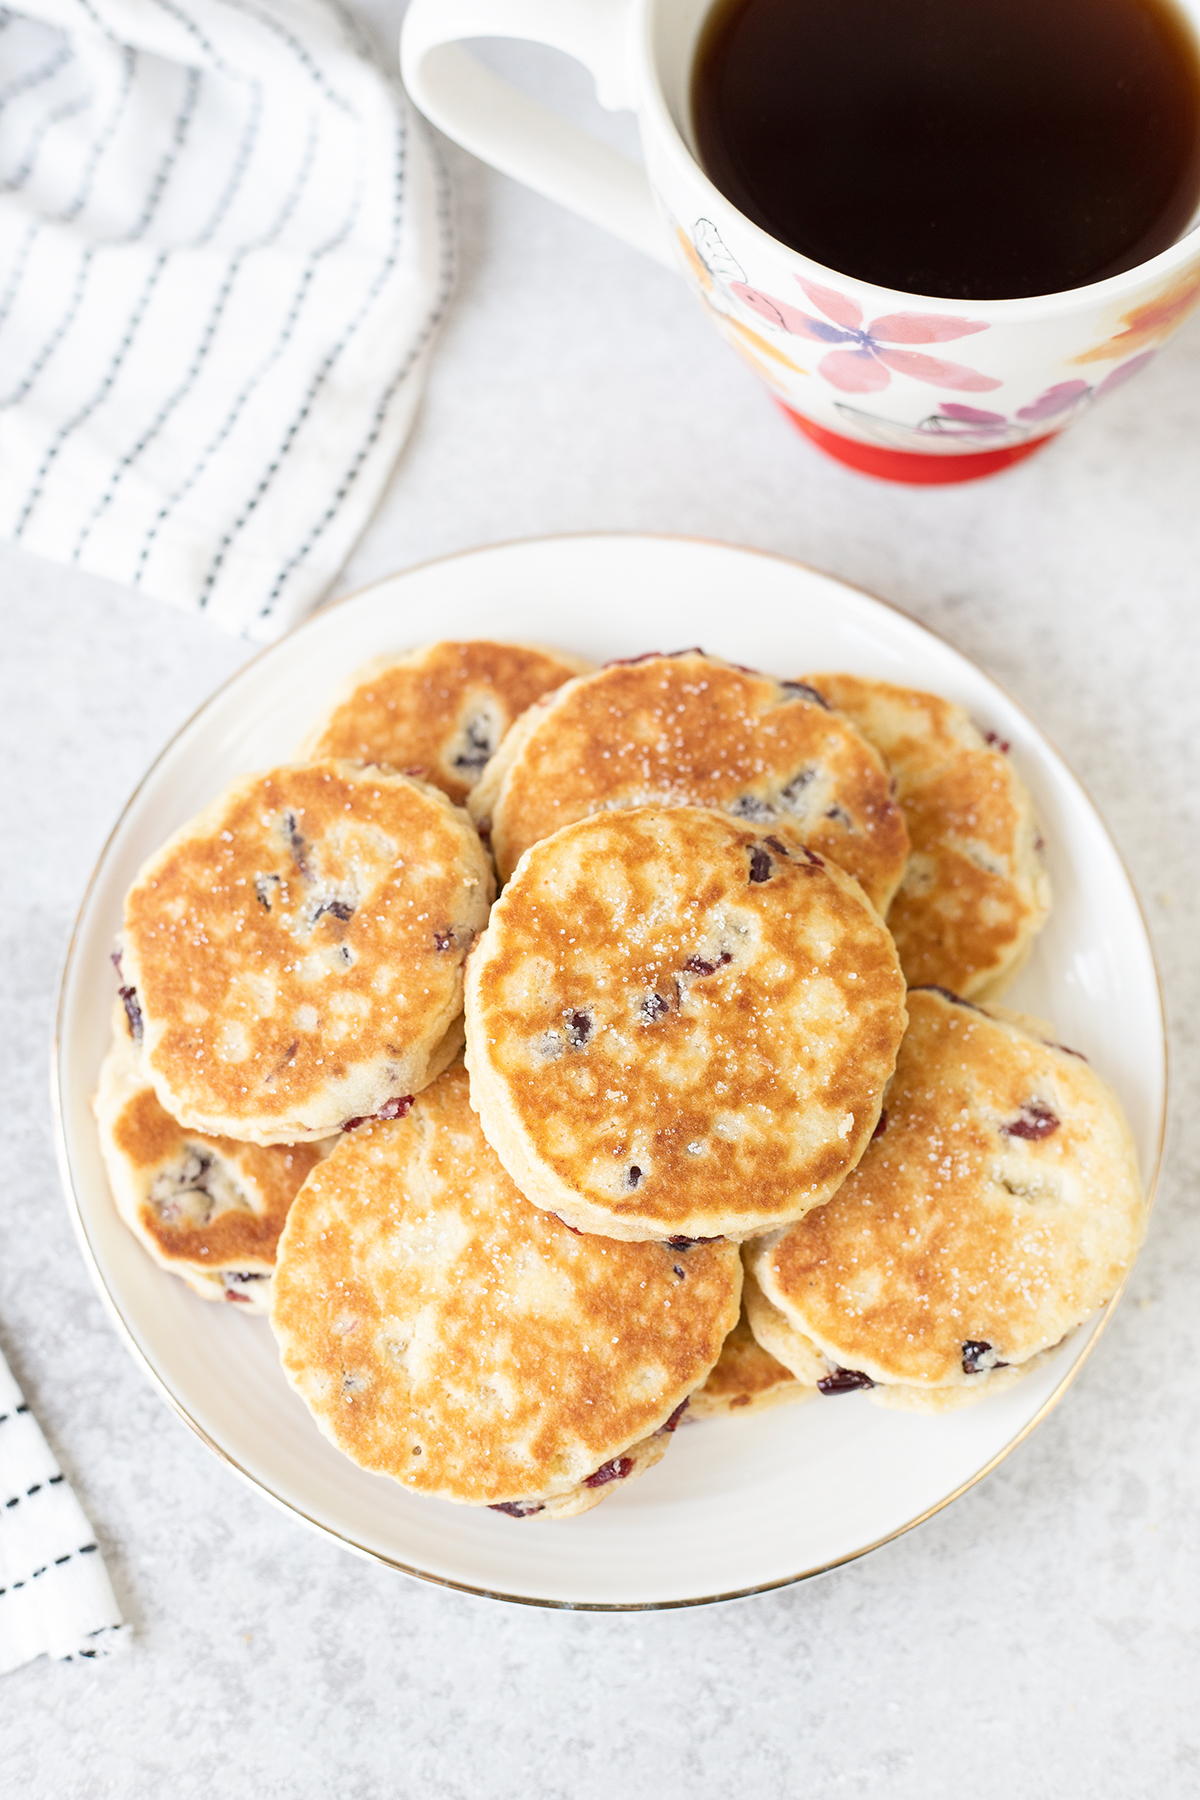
{"points": [[712, 1109]]}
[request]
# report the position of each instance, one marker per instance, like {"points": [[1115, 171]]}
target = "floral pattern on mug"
{"points": [[868, 365], [710, 260], [716, 269], [1068, 396], [952, 430], [1151, 322], [966, 428], [754, 346], [711, 264]]}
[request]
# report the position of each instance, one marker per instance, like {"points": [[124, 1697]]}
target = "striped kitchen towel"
{"points": [[225, 245], [55, 1597]]}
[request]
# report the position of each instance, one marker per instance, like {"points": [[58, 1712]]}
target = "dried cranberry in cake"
{"points": [[844, 1381], [129, 1000], [800, 690], [396, 1107], [696, 965], [747, 806], [297, 843], [133, 1012], [391, 1109], [1035, 1121], [579, 1027], [478, 739], [341, 910], [616, 1470]]}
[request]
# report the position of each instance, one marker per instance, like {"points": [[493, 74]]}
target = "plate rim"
{"points": [[329, 1532]]}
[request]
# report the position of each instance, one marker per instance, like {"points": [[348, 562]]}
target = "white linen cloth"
{"points": [[225, 244], [55, 1595]]}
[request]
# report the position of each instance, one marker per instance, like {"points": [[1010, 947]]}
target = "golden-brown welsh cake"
{"points": [[778, 1337], [293, 956], [997, 1209], [439, 712], [680, 1028], [205, 1208], [444, 1332], [975, 892], [746, 1379], [690, 730]]}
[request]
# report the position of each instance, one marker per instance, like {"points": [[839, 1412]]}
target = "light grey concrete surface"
{"points": [[1039, 1638]]}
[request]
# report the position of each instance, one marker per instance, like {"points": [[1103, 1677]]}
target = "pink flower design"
{"points": [[1060, 398], [970, 421], [1066, 395], [973, 428], [866, 367]]}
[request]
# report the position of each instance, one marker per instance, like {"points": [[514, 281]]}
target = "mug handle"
{"points": [[490, 118]]}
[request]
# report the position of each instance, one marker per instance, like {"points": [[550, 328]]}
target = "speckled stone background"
{"points": [[1040, 1638]]}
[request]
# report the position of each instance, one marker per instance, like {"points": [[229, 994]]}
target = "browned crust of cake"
{"points": [[440, 710], [975, 893], [998, 1209], [207, 1208], [445, 1332], [690, 730], [297, 949], [736, 1032], [746, 1379]]}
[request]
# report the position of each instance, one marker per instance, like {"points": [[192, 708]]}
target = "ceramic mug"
{"points": [[897, 385]]}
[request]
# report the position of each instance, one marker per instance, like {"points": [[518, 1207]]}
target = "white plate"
{"points": [[739, 1504]]}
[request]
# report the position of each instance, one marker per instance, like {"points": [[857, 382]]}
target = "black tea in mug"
{"points": [[973, 149]]}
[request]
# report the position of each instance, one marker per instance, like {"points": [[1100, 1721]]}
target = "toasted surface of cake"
{"points": [[996, 1210], [690, 730], [775, 1333], [440, 711], [295, 953], [746, 1379], [206, 1208], [445, 1332], [680, 1027], [975, 892]]}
